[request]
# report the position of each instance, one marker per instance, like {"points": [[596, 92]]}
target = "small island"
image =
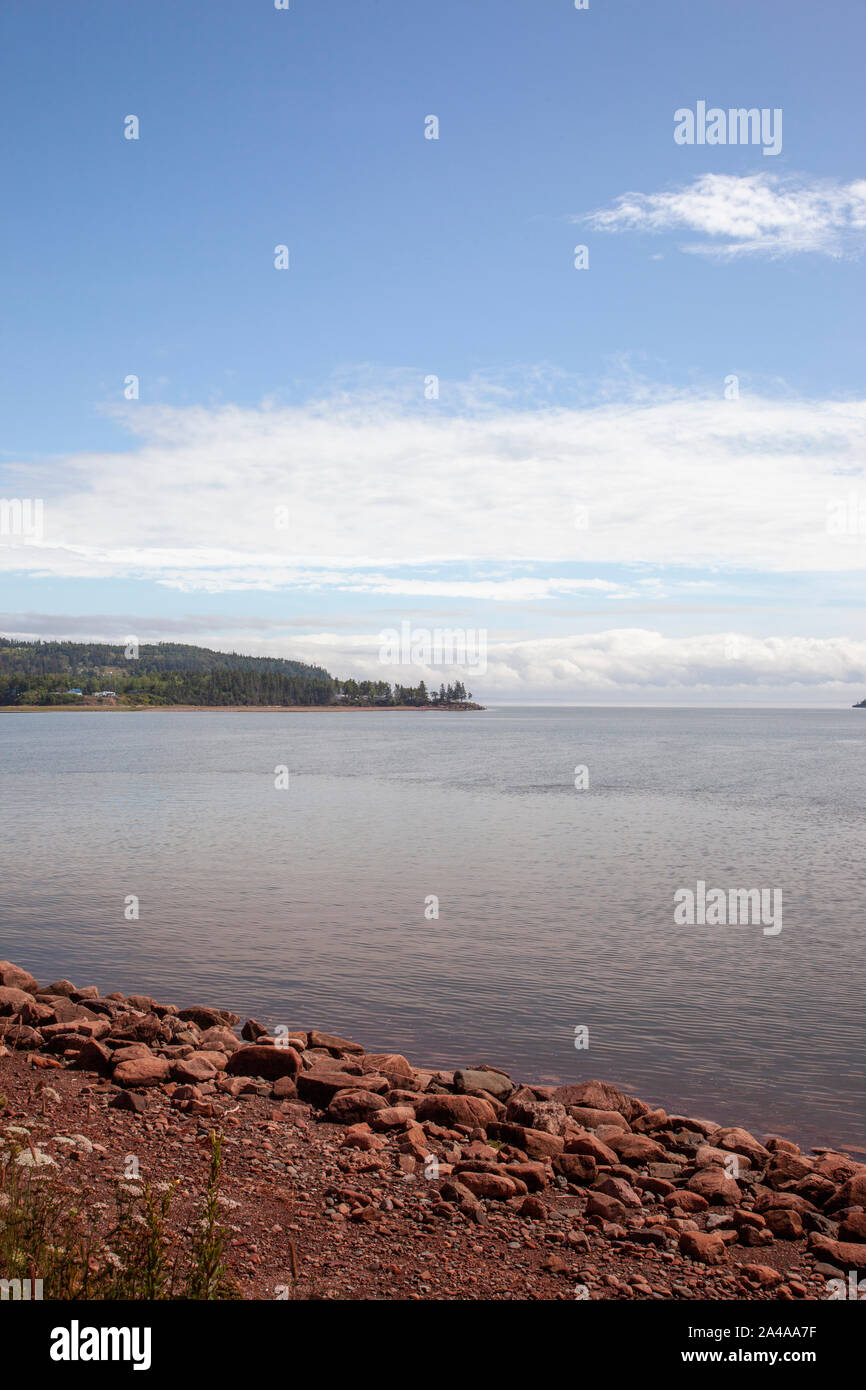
{"points": [[174, 675]]}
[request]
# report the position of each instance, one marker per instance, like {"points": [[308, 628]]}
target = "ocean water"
{"points": [[311, 904]]}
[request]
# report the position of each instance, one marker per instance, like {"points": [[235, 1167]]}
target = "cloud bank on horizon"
{"points": [[662, 497]]}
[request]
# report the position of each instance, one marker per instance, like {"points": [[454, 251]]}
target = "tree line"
{"points": [[168, 673]]}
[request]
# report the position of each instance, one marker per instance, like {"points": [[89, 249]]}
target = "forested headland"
{"points": [[174, 673]]}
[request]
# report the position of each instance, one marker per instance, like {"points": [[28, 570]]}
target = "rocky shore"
{"points": [[355, 1174]]}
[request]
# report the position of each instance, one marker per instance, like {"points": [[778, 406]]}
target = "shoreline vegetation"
{"points": [[306, 1166], [173, 675], [107, 705]]}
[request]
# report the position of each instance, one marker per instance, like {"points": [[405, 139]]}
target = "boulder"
{"points": [[852, 1193], [193, 1070], [12, 1000], [321, 1084], [17, 978], [332, 1043], [591, 1118], [718, 1189], [207, 1017], [635, 1148], [740, 1141], [263, 1060], [478, 1079], [607, 1208], [707, 1247], [587, 1143], [219, 1038], [844, 1253], [354, 1107], [576, 1168], [141, 1071], [599, 1095], [546, 1115], [491, 1186], [457, 1110]]}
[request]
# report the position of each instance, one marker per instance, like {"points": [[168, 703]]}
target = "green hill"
{"points": [[174, 673], [164, 673]]}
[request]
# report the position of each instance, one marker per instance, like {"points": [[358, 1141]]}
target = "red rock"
{"points": [[742, 1142], [320, 1085], [95, 1057], [270, 1062], [636, 1148], [707, 1247], [604, 1206], [14, 977], [853, 1228], [686, 1201], [844, 1253], [141, 1071], [361, 1137], [352, 1107], [220, 1038], [12, 1000], [535, 1143], [39, 1015], [487, 1080], [391, 1064], [545, 1115], [20, 1036], [332, 1043], [591, 1118], [252, 1031], [193, 1069], [491, 1186], [533, 1209], [764, 1275], [784, 1223], [599, 1095], [392, 1117], [852, 1193], [705, 1127], [128, 1100], [207, 1017], [622, 1190], [536, 1176], [838, 1168], [457, 1110], [785, 1146], [784, 1169], [285, 1088], [590, 1144], [718, 1189], [766, 1200], [131, 1053], [577, 1168], [217, 1059]]}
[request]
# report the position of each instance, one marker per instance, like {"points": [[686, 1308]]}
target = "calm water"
{"points": [[306, 906]]}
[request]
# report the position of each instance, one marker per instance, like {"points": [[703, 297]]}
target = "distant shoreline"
{"points": [[235, 709]]}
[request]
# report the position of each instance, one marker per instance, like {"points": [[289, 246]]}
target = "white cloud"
{"points": [[619, 661], [751, 214], [382, 501]]}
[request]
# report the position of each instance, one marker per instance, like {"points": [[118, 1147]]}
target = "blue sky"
{"points": [[559, 388]]}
